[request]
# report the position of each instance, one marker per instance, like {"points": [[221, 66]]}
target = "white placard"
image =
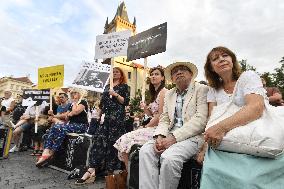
{"points": [[92, 76], [112, 45]]}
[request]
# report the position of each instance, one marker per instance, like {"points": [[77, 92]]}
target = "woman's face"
{"points": [[116, 74], [156, 77], [75, 96], [221, 62]]}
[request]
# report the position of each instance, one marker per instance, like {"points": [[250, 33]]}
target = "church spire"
{"points": [[134, 21], [122, 12], [106, 24]]}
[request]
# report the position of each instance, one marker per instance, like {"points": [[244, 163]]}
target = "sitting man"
{"points": [[178, 135], [25, 123], [62, 109], [7, 107]]}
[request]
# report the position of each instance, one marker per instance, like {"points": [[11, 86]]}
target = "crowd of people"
{"points": [[175, 132]]}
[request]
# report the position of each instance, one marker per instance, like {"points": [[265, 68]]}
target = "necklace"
{"points": [[229, 89]]}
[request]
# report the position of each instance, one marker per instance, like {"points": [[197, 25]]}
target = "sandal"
{"points": [[34, 153], [39, 153], [88, 180], [44, 162]]}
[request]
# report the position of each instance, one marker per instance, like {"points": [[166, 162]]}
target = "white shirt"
{"points": [[7, 102], [248, 83]]}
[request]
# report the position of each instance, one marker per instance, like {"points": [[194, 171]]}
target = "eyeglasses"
{"points": [[179, 68]]}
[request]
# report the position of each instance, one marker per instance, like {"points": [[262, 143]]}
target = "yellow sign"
{"points": [[50, 77]]}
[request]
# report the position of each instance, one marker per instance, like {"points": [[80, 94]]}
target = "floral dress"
{"points": [[103, 155], [139, 136]]}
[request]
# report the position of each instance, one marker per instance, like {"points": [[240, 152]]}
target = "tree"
{"points": [[278, 76], [134, 103], [245, 66], [267, 76]]}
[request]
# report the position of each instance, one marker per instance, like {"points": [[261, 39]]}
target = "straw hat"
{"points": [[191, 66]]}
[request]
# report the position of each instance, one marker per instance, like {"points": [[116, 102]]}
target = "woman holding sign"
{"points": [[113, 102], [78, 123]]}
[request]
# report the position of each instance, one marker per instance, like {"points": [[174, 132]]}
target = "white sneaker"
{"points": [[14, 149]]}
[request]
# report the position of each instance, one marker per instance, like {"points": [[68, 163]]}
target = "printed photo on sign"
{"points": [[112, 45], [92, 76], [147, 43], [36, 97]]}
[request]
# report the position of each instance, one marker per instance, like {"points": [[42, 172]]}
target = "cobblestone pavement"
{"points": [[19, 171]]}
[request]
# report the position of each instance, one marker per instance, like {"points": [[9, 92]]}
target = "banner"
{"points": [[36, 97], [112, 45], [147, 43], [92, 76], [50, 77]]}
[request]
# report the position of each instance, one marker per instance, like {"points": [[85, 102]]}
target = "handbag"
{"points": [[116, 181], [263, 137]]}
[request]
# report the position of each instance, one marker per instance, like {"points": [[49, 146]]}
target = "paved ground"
{"points": [[19, 171]]}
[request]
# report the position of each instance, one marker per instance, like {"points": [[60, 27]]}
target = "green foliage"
{"points": [[170, 86], [276, 79], [134, 103], [278, 76], [245, 66], [267, 76]]}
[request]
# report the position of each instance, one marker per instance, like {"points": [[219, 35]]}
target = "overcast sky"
{"points": [[40, 33]]}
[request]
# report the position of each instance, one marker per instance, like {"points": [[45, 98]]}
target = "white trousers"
{"points": [[171, 160]]}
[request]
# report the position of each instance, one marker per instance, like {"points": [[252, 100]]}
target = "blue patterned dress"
{"points": [[77, 124], [103, 154]]}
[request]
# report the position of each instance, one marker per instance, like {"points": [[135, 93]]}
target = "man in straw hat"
{"points": [[178, 136]]}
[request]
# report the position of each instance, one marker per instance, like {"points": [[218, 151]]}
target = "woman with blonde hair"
{"points": [[77, 123]]}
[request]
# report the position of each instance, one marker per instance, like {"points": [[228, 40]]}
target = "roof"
{"points": [[22, 79], [136, 65]]}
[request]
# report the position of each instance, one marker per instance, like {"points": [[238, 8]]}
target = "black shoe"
{"points": [[23, 148], [89, 180]]}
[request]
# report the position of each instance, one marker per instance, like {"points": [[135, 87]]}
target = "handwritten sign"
{"points": [[112, 45], [92, 76], [147, 43], [50, 77]]}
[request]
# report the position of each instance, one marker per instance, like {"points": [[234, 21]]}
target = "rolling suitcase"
{"points": [[5, 141]]}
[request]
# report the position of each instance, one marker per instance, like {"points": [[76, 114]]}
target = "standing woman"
{"points": [[103, 154], [154, 110], [77, 123], [225, 170]]}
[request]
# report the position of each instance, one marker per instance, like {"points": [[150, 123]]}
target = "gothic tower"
{"points": [[132, 70], [120, 21]]}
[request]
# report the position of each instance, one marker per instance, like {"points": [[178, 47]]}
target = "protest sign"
{"points": [[92, 76], [36, 97], [50, 77], [112, 45], [147, 43]]}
